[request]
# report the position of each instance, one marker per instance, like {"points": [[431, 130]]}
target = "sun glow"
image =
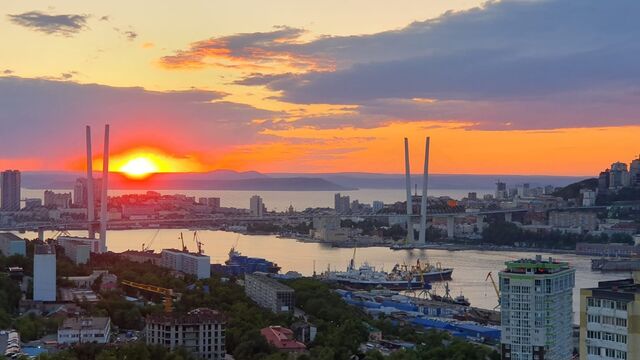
{"points": [[139, 167]]}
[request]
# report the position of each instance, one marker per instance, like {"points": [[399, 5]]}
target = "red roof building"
{"points": [[282, 339]]}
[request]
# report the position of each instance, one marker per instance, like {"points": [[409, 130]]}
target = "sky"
{"points": [[501, 87]]}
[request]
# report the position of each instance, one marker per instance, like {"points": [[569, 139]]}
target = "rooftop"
{"points": [[7, 236], [44, 250], [184, 252], [269, 281], [196, 316], [536, 266], [624, 289], [282, 338], [77, 323]]}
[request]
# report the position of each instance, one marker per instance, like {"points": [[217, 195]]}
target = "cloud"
{"points": [[65, 25], [129, 34], [7, 72], [533, 64], [265, 51], [45, 112]]}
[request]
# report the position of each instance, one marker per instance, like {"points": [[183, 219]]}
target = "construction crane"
{"points": [[184, 248], [198, 242], [495, 287], [145, 248], [167, 294]]}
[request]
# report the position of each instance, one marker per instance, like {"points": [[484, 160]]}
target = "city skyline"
{"points": [[500, 87]]}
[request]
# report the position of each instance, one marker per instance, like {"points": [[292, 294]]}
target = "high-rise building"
{"points": [[212, 202], [200, 331], [609, 325], [536, 309], [10, 193], [57, 200], [256, 206], [377, 205], [44, 273], [634, 172], [81, 193], [501, 190], [342, 204], [618, 176]]}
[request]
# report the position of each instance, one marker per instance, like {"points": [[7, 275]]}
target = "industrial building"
{"points": [[536, 309], [79, 249], [11, 244], [44, 273], [609, 325], [186, 262], [81, 330], [269, 293], [200, 331]]}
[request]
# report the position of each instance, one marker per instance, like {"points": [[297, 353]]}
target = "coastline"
{"points": [[432, 246]]}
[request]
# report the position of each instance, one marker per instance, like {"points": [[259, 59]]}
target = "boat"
{"points": [[458, 300], [367, 277], [615, 264], [402, 277], [408, 246], [238, 264]]}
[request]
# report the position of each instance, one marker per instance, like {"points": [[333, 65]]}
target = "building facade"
{"points": [[610, 320], [583, 220], [10, 190], [57, 200], [77, 330], [536, 310], [186, 262], [200, 331], [342, 204], [256, 206], [269, 293], [11, 244], [44, 273]]}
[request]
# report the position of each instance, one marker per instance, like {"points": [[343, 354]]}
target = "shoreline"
{"points": [[431, 246]]}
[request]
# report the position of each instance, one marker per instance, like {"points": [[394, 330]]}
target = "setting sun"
{"points": [[139, 167]]}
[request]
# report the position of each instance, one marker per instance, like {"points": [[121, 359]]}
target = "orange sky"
{"points": [[454, 150], [325, 86]]}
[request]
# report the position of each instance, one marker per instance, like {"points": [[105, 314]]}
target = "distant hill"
{"points": [[572, 191], [217, 180], [252, 180], [436, 181]]}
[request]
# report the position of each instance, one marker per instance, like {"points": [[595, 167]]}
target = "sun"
{"points": [[139, 167]]}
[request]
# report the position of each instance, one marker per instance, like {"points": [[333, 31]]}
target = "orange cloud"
{"points": [[268, 52]]}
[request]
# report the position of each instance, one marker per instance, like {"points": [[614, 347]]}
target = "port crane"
{"points": [[199, 244], [495, 287], [145, 248], [167, 294]]}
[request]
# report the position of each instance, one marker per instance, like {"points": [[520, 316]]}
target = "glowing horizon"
{"points": [[310, 88]]}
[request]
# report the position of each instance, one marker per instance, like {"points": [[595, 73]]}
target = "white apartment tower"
{"points": [[44, 273], [536, 309], [256, 206]]}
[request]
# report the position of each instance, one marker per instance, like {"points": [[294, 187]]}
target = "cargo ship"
{"points": [[402, 277], [238, 264]]}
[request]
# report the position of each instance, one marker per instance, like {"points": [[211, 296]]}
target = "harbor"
{"points": [[470, 266]]}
